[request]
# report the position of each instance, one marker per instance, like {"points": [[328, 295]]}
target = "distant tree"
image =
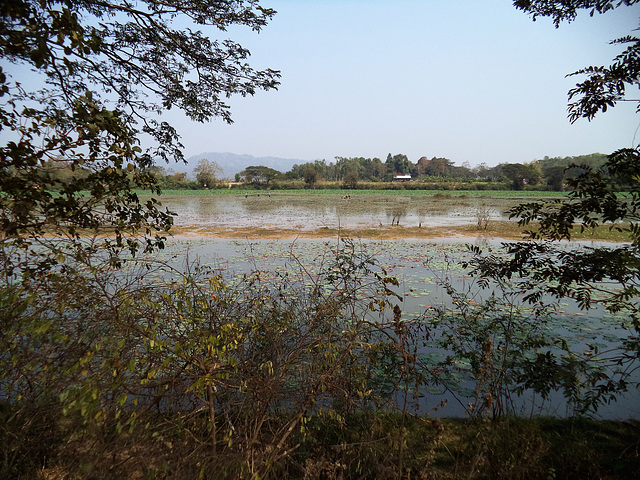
{"points": [[311, 177], [520, 174], [344, 165], [157, 171], [260, 175], [378, 170], [533, 173], [436, 167], [207, 172], [100, 73], [462, 173], [368, 169], [399, 165], [298, 171], [485, 172], [593, 160], [421, 165], [61, 172], [325, 171], [350, 180], [554, 176], [557, 170]]}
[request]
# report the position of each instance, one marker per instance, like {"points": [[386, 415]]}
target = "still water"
{"points": [[420, 265], [308, 211]]}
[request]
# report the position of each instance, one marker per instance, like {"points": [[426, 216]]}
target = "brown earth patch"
{"points": [[496, 229], [507, 230]]}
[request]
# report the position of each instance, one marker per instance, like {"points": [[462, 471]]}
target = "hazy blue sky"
{"points": [[471, 80]]}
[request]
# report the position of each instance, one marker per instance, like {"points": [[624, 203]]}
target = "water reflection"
{"points": [[313, 211]]}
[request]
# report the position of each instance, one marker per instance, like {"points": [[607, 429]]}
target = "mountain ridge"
{"points": [[232, 163]]}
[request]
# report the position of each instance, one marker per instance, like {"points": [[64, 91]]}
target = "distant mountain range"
{"points": [[232, 163]]}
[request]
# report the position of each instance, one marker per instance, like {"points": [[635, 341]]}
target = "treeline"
{"points": [[546, 174], [436, 173]]}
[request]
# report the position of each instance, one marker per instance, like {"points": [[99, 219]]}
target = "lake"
{"points": [[419, 265]]}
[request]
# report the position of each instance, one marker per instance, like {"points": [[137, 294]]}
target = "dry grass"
{"points": [[495, 229], [378, 446]]}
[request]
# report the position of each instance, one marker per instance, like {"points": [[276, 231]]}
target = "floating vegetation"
{"points": [[424, 270]]}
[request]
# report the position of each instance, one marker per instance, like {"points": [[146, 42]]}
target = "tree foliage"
{"points": [[440, 169], [604, 87], [567, 10], [520, 175], [203, 372], [260, 175], [512, 350], [399, 165], [350, 179], [207, 172], [101, 74], [606, 194]]}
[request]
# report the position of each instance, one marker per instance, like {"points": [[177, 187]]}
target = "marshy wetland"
{"points": [[370, 214], [312, 210], [420, 239], [266, 333]]}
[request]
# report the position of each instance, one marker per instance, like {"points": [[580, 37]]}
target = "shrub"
{"points": [[226, 372]]}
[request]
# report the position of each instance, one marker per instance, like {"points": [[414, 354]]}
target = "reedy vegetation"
{"points": [[213, 376]]}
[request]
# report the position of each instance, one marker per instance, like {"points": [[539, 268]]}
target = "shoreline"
{"points": [[496, 231], [368, 232]]}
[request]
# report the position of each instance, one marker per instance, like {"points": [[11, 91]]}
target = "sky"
{"points": [[473, 81]]}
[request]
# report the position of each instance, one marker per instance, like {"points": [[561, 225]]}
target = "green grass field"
{"points": [[389, 193]]}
